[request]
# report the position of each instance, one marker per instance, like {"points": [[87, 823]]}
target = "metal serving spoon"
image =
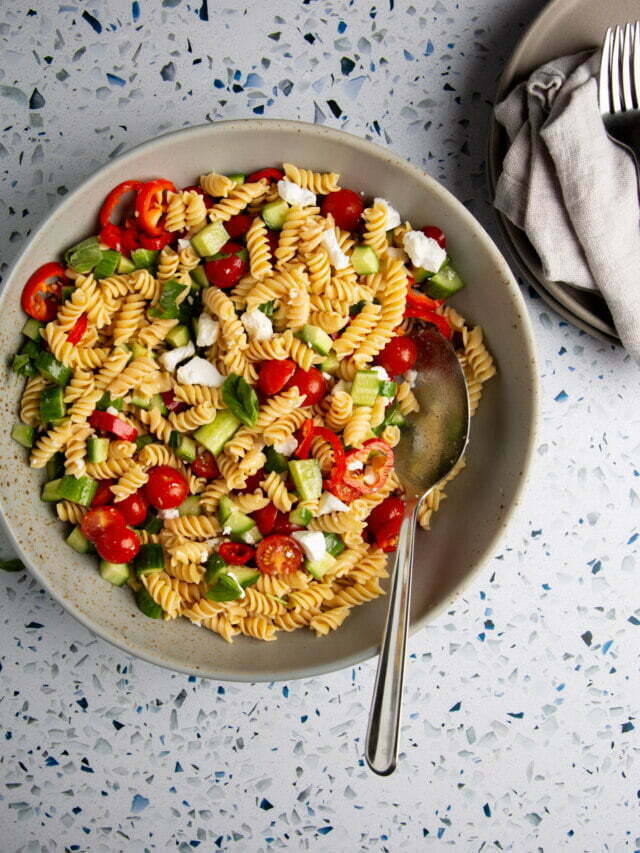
{"points": [[432, 444]]}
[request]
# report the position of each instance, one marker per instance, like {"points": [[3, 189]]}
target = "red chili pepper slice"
{"points": [[149, 205], [377, 460], [111, 236], [75, 333], [41, 295], [307, 431], [421, 306], [106, 422], [236, 553], [347, 494], [113, 199], [155, 243], [209, 201], [130, 240], [271, 174]]}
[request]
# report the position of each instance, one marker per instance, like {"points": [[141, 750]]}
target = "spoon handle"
{"points": [[384, 719]]}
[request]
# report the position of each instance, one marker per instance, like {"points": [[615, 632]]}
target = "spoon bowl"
{"points": [[432, 445]]}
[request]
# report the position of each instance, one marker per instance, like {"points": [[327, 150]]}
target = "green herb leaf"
{"points": [[84, 256], [268, 308], [240, 398], [11, 565], [167, 307]]}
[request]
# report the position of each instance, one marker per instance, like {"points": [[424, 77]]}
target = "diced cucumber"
{"points": [[307, 478], [143, 440], [364, 260], [138, 351], [330, 364], [178, 337], [79, 542], [108, 263], [199, 277], [245, 575], [51, 491], [186, 449], [31, 330], [238, 178], [155, 402], [316, 338], [238, 524], [167, 307], [147, 605], [249, 537], [125, 266], [365, 387], [388, 388], [97, 449], [214, 567], [23, 365], [334, 544], [174, 439], [210, 240], [268, 308], [276, 461], [190, 506], [318, 568], [152, 524], [215, 435], [55, 467], [225, 507], [143, 258], [275, 213], [115, 573], [226, 588], [301, 515], [444, 283], [84, 256], [52, 369], [105, 402], [78, 490], [23, 434], [419, 274], [52, 405], [150, 558]]}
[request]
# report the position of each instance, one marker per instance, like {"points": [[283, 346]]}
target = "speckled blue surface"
{"points": [[521, 730]]}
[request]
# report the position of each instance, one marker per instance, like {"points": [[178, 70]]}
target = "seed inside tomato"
{"points": [[278, 555]]}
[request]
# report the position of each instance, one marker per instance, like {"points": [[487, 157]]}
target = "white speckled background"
{"points": [[520, 731]]}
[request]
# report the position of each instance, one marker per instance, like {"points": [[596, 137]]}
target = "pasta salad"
{"points": [[215, 383]]}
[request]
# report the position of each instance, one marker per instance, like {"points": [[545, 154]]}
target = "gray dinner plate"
{"points": [[563, 27]]}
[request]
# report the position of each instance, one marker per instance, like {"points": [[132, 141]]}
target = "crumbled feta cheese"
{"points": [[257, 324], [312, 543], [204, 555], [397, 254], [232, 575], [370, 478], [172, 358], [226, 530], [208, 330], [293, 294], [212, 543], [112, 411], [336, 256], [393, 217], [199, 371], [184, 243], [286, 447], [424, 251], [411, 376], [293, 194], [327, 376], [168, 513], [252, 536], [382, 373], [330, 503], [355, 465]]}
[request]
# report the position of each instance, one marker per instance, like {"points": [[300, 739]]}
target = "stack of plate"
{"points": [[563, 27]]}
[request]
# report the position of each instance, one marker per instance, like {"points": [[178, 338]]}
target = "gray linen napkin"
{"points": [[571, 189]]}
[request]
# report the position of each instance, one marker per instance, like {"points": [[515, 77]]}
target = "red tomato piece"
{"points": [[75, 333], [41, 294], [273, 375], [226, 272], [347, 494], [238, 225], [149, 206], [391, 509], [106, 422], [204, 465], [265, 518], [134, 508], [172, 403], [398, 355], [274, 238], [97, 521], [310, 382], [386, 537], [283, 525], [253, 482], [166, 488], [118, 544], [279, 555], [236, 553], [345, 206], [270, 174], [103, 494], [436, 234]]}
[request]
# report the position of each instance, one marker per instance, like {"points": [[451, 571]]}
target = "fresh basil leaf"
{"points": [[240, 398], [11, 565], [357, 308], [268, 308], [167, 307]]}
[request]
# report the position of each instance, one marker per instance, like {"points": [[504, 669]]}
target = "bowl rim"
{"points": [[414, 173]]}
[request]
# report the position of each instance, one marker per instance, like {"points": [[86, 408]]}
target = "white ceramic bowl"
{"points": [[480, 501]]}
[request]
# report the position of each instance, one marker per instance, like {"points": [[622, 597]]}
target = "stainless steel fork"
{"points": [[619, 87]]}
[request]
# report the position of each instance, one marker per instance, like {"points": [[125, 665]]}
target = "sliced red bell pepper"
{"points": [[113, 199], [149, 208], [422, 307], [376, 457], [111, 236], [172, 403], [270, 173], [75, 333], [155, 243], [106, 422], [306, 437], [40, 295], [236, 553]]}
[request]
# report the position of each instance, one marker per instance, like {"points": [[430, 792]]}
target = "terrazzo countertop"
{"points": [[520, 731]]}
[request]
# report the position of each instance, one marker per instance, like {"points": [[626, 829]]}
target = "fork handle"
{"points": [[384, 719]]}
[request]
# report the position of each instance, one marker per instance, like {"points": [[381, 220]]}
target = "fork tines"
{"points": [[619, 84]]}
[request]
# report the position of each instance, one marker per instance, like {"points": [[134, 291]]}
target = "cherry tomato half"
{"points": [[398, 355], [265, 518], [226, 272], [236, 553], [387, 536], [279, 555], [238, 225], [273, 375], [134, 508], [204, 465], [311, 383], [98, 520], [166, 487], [436, 234], [252, 482], [391, 509], [274, 238], [345, 206], [118, 544], [103, 494], [41, 294], [283, 525]]}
